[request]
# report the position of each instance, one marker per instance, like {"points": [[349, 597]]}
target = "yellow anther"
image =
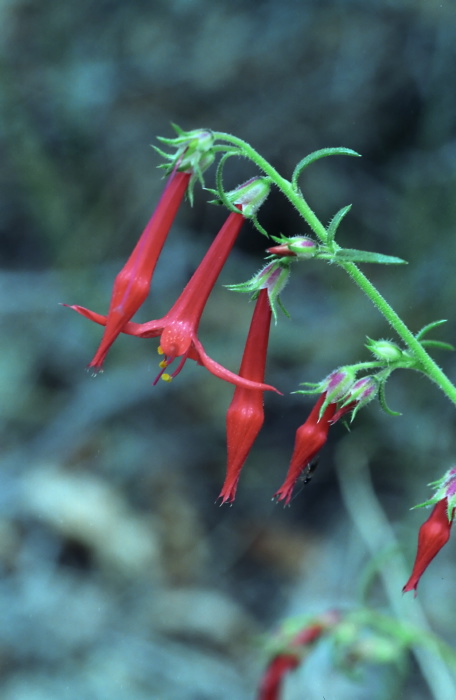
{"points": [[163, 364], [167, 377], [160, 350]]}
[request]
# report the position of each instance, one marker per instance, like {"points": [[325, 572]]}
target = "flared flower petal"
{"points": [[225, 374], [178, 329]]}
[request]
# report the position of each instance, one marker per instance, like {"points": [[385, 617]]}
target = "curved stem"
{"points": [[352, 469], [285, 186], [428, 365]]}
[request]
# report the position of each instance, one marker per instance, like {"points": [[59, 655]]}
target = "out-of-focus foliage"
{"points": [[120, 577]]}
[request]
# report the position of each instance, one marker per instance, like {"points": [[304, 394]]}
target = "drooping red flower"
{"points": [[245, 415], [178, 329], [132, 284], [433, 535], [309, 440], [274, 676], [340, 396], [292, 655]]}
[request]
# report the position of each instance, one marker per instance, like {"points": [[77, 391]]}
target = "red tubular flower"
{"points": [[179, 327], [273, 677], [288, 660], [132, 284], [245, 415], [310, 438], [433, 535]]}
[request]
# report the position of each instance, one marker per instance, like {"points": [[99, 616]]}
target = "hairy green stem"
{"points": [[427, 365]]}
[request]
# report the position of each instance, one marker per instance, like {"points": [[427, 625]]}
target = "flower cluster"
{"points": [[178, 329], [344, 391]]}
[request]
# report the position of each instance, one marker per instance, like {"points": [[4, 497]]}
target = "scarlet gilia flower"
{"points": [[337, 400], [309, 440], [274, 676], [178, 329], [292, 655], [245, 415], [435, 531], [132, 284]]}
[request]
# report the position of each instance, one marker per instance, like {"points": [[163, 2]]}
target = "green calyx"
{"points": [[273, 277]]}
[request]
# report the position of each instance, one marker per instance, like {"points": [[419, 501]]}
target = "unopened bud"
{"points": [[363, 391], [300, 247], [273, 277], [338, 383], [250, 196], [384, 350]]}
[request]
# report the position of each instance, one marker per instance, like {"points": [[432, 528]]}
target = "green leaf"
{"points": [[429, 327], [437, 344], [316, 155], [364, 256], [335, 221]]}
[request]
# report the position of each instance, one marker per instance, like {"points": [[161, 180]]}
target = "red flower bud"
{"points": [[245, 415], [293, 654], [132, 284], [274, 676], [433, 535], [310, 438]]}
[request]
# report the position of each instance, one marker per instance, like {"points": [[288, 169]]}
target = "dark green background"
{"points": [[120, 578]]}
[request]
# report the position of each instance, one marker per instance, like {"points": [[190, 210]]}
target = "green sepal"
{"points": [[241, 287], [335, 221], [431, 502], [364, 256], [273, 277], [316, 388], [382, 400], [163, 154], [429, 327], [282, 308], [316, 155], [437, 344], [260, 229]]}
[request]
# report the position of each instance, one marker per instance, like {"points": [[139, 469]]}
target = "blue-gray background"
{"points": [[120, 578]]}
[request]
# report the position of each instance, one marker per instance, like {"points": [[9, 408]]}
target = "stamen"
{"points": [[160, 350], [179, 367], [163, 365]]}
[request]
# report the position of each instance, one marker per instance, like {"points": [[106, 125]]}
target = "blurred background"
{"points": [[120, 575]]}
